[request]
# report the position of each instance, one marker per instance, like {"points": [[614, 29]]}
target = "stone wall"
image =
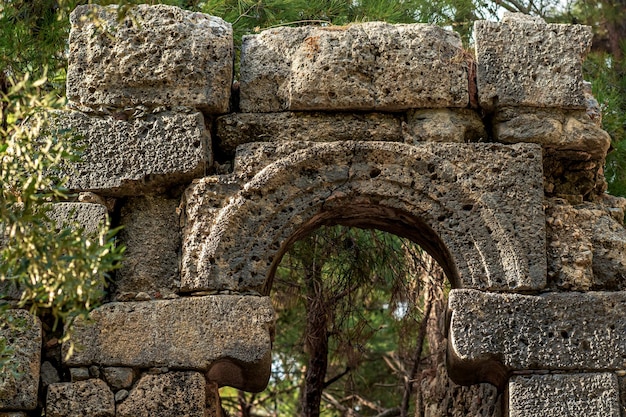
{"points": [[492, 163]]}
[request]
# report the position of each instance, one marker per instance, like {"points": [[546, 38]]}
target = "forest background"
{"points": [[331, 262]]}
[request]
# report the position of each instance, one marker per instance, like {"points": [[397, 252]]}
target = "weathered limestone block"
{"points": [[369, 66], [552, 128], [165, 395], [238, 128], [593, 394], [152, 237], [201, 333], [125, 157], [155, 56], [444, 125], [477, 208], [492, 334], [90, 398], [522, 62], [89, 216], [22, 333], [586, 246]]}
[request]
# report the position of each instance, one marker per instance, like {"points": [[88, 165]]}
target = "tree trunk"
{"points": [[316, 345]]}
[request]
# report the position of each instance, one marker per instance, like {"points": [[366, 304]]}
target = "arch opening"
{"points": [[370, 216], [350, 299], [355, 296]]}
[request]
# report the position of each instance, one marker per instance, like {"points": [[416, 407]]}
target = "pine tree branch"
{"points": [[336, 378]]}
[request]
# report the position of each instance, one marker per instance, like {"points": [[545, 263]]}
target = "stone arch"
{"points": [[464, 203]]}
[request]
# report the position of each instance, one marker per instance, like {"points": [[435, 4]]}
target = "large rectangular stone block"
{"points": [[18, 391], [523, 61], [155, 56], [88, 216], [564, 395], [152, 236], [552, 128], [188, 333], [124, 157], [552, 331], [186, 396], [369, 66], [239, 128]]}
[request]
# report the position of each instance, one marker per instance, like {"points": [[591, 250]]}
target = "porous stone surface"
{"points": [[118, 377], [369, 66], [477, 208], [202, 333], [586, 246], [573, 175], [12, 414], [86, 215], [530, 63], [90, 398], [152, 238], [552, 128], [491, 334], [441, 397], [202, 201], [593, 394], [444, 125], [170, 394], [237, 128], [21, 332], [155, 56], [127, 157]]}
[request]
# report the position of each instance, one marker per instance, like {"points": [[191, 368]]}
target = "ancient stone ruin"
{"points": [[493, 163]]}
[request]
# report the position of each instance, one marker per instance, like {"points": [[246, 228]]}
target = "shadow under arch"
{"points": [[464, 203]]}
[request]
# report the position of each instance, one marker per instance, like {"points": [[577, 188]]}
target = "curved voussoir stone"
{"points": [[464, 203], [197, 333], [369, 66], [153, 55]]}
